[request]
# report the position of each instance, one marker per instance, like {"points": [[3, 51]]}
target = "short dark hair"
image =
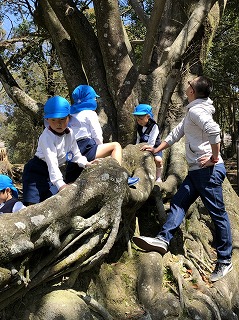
{"points": [[202, 87], [4, 190]]}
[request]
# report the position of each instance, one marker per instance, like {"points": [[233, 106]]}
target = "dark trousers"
{"points": [[206, 184], [36, 182]]}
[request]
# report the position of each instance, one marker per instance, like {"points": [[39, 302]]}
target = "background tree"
{"points": [[34, 65], [222, 65]]}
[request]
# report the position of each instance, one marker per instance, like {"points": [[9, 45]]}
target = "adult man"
{"points": [[205, 176]]}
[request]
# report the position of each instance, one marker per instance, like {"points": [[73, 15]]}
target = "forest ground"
{"points": [[231, 166]]}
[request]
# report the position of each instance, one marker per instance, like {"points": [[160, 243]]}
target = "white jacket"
{"points": [[54, 150], [200, 131], [85, 124]]}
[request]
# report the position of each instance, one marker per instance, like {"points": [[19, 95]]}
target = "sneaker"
{"points": [[132, 181], [151, 244], [220, 271]]}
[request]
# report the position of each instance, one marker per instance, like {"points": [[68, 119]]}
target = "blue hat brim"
{"points": [[56, 115], [139, 113]]}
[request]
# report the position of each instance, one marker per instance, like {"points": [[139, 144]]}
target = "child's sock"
{"points": [[158, 174]]}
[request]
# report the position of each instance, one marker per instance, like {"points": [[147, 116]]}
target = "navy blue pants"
{"points": [[36, 183], [88, 148], [207, 184]]}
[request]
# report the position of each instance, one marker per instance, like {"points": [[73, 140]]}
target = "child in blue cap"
{"points": [[88, 132], [148, 132], [57, 145], [8, 196]]}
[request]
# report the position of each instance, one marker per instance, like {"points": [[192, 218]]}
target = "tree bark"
{"points": [[67, 54], [121, 73]]}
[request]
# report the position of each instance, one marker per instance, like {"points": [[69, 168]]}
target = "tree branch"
{"points": [[151, 35], [137, 6], [179, 46], [23, 100]]}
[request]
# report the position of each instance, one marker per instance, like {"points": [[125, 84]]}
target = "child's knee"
{"points": [[158, 162], [117, 145]]}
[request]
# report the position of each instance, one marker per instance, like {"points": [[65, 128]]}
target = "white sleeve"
{"points": [[95, 127], [138, 138], [176, 134], [205, 122], [49, 151], [18, 206], [153, 135]]}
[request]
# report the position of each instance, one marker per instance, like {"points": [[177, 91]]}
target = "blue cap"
{"points": [[142, 110], [84, 98], [6, 182], [56, 107], [83, 93]]}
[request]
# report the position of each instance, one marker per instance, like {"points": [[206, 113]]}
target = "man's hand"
{"points": [[206, 162], [147, 148]]}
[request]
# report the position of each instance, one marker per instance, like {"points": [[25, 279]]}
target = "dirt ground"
{"points": [[231, 166]]}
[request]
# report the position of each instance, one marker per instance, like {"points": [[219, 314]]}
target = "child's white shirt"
{"points": [[85, 124], [18, 206], [152, 135], [54, 150]]}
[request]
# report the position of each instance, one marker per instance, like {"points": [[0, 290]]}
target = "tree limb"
{"points": [[137, 6], [179, 46], [151, 35]]}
